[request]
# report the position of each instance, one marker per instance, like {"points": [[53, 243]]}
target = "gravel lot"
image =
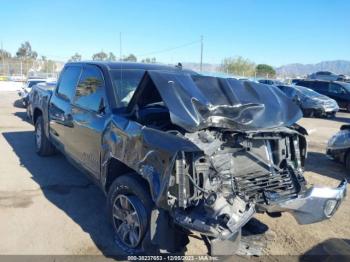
{"points": [[48, 207]]}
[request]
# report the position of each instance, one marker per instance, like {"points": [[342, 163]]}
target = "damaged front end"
{"points": [[237, 151], [217, 191]]}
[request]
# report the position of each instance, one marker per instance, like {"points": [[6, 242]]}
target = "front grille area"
{"points": [[267, 187]]}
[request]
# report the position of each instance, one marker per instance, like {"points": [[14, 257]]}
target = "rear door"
{"points": [[60, 110], [89, 114]]}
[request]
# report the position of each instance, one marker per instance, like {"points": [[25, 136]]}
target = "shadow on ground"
{"points": [[333, 249], [22, 116], [18, 103], [321, 164], [68, 189]]}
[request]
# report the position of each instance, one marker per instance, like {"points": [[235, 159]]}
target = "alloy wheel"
{"points": [[127, 219]]}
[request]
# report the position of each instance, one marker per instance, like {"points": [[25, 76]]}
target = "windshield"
{"points": [[307, 91], [125, 83]]}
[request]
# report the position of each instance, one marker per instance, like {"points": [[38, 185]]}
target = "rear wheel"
{"points": [[348, 108], [347, 160], [308, 113], [42, 144]]}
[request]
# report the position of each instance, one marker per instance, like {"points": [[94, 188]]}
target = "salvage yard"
{"points": [[48, 207]]}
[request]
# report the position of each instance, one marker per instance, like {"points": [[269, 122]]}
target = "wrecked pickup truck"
{"points": [[177, 152]]}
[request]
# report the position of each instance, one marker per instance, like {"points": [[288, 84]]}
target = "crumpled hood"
{"points": [[196, 102]]}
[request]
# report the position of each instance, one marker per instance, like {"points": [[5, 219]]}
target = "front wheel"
{"points": [[42, 144], [129, 207]]}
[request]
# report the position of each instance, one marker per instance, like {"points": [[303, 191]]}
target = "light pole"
{"points": [[201, 63]]}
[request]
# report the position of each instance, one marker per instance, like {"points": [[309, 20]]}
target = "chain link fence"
{"points": [[20, 70]]}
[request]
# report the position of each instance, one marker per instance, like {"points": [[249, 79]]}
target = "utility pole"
{"points": [[3, 59], [201, 64], [120, 46]]}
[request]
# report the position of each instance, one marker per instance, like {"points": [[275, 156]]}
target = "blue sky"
{"points": [[265, 31]]}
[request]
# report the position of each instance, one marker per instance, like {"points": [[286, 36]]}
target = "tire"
{"points": [[129, 195], [43, 146], [308, 113], [348, 108], [347, 160]]}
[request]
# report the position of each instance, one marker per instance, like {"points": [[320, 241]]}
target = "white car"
{"points": [[24, 91]]}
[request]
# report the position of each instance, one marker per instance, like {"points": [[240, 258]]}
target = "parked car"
{"points": [[176, 152], [270, 82], [33, 95], [339, 91], [325, 75], [339, 146], [311, 102], [24, 91], [294, 81]]}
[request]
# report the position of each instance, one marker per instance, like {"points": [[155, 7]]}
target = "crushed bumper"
{"points": [[314, 205]]}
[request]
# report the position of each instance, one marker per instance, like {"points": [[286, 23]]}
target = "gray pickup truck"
{"points": [[175, 152]]}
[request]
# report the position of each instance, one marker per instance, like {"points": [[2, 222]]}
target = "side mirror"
{"points": [[297, 100]]}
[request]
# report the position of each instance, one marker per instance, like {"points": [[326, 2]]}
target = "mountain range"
{"points": [[335, 66], [290, 70]]}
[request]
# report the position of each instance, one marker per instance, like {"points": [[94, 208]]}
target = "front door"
{"points": [[89, 113]]}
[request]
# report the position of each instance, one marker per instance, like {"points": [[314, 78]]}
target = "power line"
{"points": [[171, 48]]}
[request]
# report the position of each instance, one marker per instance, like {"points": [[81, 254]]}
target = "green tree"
{"points": [[101, 56], [149, 60], [265, 70], [75, 58], [4, 54], [111, 57], [238, 66], [131, 58], [48, 66], [25, 52]]}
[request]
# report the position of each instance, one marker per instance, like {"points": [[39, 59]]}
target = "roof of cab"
{"points": [[129, 65]]}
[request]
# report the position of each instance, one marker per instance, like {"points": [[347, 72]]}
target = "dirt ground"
{"points": [[48, 208]]}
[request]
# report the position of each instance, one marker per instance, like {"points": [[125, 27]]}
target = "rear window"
{"points": [[68, 82]]}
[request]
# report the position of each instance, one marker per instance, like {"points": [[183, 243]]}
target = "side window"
{"points": [[290, 92], [336, 89], [68, 82], [320, 86], [90, 89]]}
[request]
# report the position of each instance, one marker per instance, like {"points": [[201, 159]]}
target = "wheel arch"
{"points": [[36, 113], [116, 168]]}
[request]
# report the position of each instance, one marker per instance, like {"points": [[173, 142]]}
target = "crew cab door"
{"points": [[60, 117], [89, 113]]}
